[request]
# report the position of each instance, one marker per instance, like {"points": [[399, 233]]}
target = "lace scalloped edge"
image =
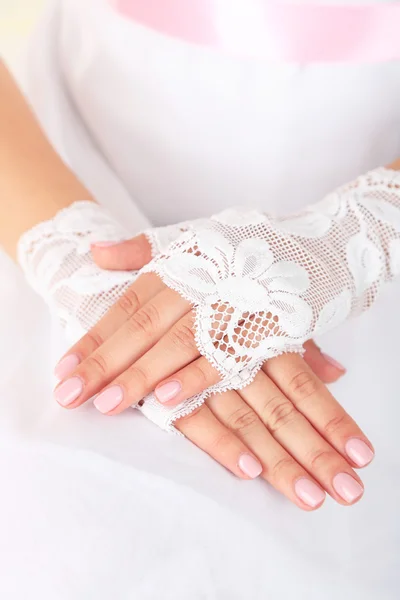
{"points": [[220, 389], [152, 238]]}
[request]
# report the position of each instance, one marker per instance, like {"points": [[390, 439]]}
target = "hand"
{"points": [[144, 339], [298, 432], [288, 423]]}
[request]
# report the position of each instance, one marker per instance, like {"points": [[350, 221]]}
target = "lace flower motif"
{"points": [[247, 303]]}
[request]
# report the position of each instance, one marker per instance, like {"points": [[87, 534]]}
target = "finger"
{"points": [[200, 375], [146, 287], [312, 398], [175, 350], [137, 335], [325, 367], [279, 468], [189, 381], [292, 430], [122, 256], [205, 431]]}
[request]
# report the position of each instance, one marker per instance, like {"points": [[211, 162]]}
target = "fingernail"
{"points": [[68, 391], [250, 466], [359, 452], [66, 366], [109, 399], [309, 492], [347, 487], [333, 362], [168, 391], [105, 244]]}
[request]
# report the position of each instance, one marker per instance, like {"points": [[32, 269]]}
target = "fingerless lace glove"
{"points": [[56, 258], [259, 285], [263, 285]]}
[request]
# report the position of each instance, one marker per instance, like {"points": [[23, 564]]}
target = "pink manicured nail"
{"points": [[250, 466], [359, 452], [348, 488], [333, 362], [168, 391], [68, 391], [66, 366], [104, 244], [109, 399], [309, 492]]}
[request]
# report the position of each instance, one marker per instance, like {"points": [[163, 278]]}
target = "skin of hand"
{"points": [[285, 426]]}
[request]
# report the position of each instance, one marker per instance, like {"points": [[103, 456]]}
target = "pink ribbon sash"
{"points": [[276, 32]]}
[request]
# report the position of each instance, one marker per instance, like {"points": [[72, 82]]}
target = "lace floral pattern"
{"points": [[55, 256], [259, 285]]}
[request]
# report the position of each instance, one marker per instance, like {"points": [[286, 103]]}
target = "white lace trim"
{"points": [[259, 285]]}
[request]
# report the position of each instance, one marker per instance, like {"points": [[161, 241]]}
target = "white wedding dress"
{"points": [[99, 508]]}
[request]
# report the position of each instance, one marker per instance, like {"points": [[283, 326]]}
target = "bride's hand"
{"points": [[286, 417], [145, 342]]}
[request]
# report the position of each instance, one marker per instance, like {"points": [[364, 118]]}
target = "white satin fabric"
{"points": [[94, 507]]}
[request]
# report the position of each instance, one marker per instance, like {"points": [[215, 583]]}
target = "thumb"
{"points": [[325, 367], [122, 256]]}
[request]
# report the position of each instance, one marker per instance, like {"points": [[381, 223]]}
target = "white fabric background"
{"points": [[102, 508]]}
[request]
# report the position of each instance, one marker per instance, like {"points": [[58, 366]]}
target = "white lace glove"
{"points": [[260, 286], [263, 285], [56, 258]]}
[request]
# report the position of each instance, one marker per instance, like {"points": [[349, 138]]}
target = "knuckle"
{"points": [[183, 337], [145, 320], [199, 376], [97, 364], [303, 385], [321, 458], [282, 414], [129, 302], [152, 315], [222, 443], [279, 469], [243, 420], [138, 379], [335, 424], [94, 338], [268, 407]]}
